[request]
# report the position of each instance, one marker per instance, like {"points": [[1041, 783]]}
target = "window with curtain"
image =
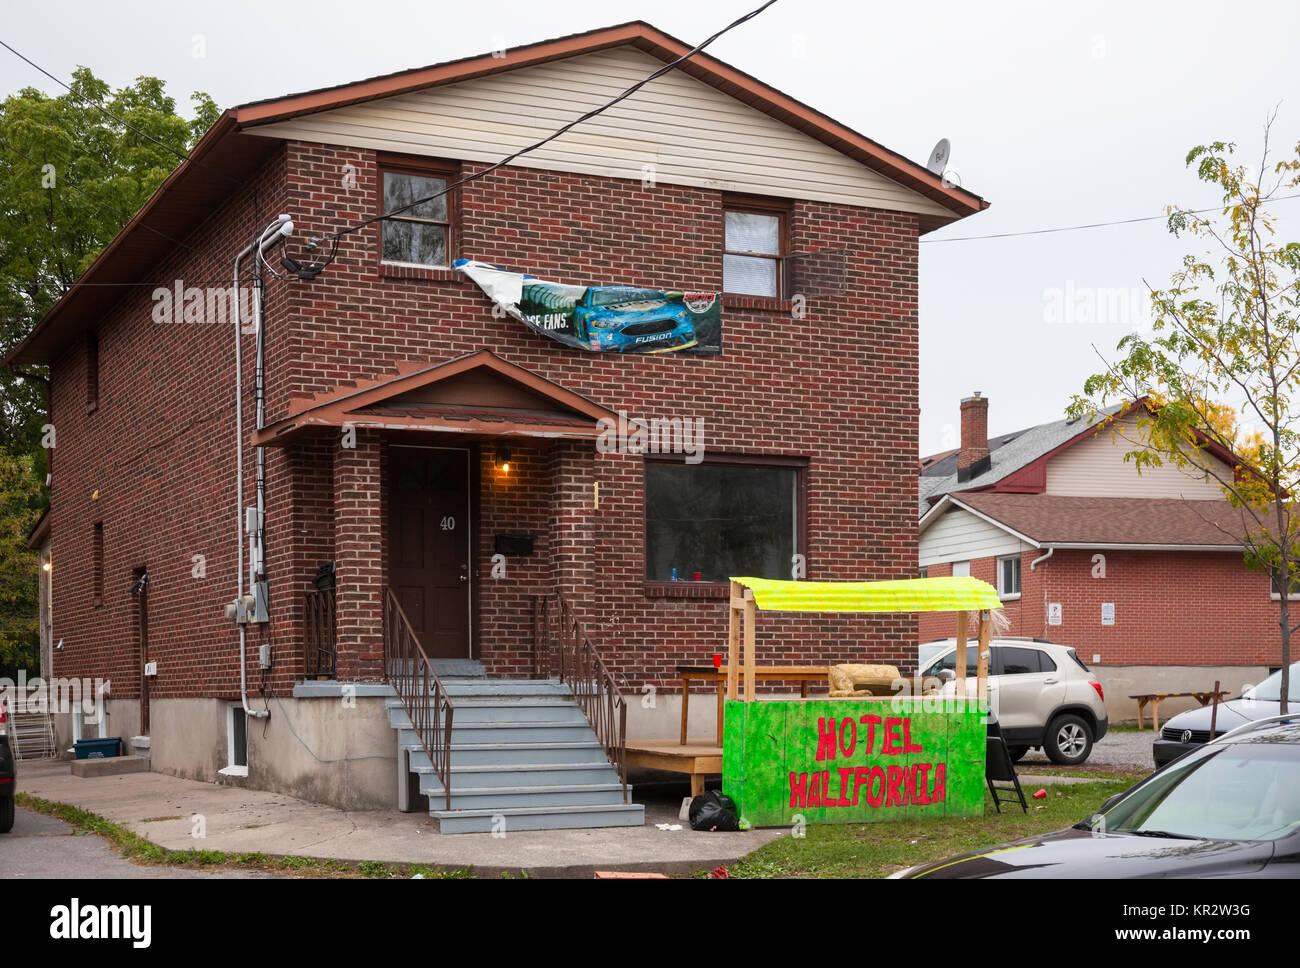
{"points": [[753, 251]]}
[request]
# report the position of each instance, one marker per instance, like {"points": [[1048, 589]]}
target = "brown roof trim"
{"points": [[41, 531], [650, 39], [125, 255], [207, 160], [353, 405]]}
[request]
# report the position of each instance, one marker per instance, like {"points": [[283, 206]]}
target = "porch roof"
{"points": [[478, 393]]}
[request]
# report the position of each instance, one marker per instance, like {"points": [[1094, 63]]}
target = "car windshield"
{"points": [[1229, 791], [1270, 690], [615, 297]]}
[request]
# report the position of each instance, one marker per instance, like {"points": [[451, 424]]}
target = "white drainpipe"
{"points": [[278, 229], [1050, 551]]}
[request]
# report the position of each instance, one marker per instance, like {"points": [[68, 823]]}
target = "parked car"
{"points": [[1191, 729], [622, 318], [1046, 697], [1230, 808], [8, 774]]}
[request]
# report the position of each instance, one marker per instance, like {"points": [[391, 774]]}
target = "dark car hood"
{"points": [[1233, 713], [1077, 853]]}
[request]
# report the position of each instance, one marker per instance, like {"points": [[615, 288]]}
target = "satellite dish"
{"points": [[939, 157]]}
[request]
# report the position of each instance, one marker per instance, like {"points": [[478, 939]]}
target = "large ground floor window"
{"points": [[728, 516]]}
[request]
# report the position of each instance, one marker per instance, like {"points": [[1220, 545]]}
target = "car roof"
{"points": [[1001, 640]]}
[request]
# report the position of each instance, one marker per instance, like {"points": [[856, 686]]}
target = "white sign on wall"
{"points": [[1054, 613], [1107, 613]]}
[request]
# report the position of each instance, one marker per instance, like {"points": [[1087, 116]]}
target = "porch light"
{"points": [[503, 460]]}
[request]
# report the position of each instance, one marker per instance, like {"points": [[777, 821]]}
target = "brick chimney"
{"points": [[973, 458]]}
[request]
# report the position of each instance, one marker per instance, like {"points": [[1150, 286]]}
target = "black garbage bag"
{"points": [[712, 810]]}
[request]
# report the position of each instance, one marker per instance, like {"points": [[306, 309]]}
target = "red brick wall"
{"points": [[159, 452], [838, 387], [1171, 608]]}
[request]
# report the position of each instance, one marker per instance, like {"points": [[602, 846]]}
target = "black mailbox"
{"points": [[515, 544]]}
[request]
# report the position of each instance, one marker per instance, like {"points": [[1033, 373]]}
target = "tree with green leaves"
{"points": [[1226, 329], [20, 501], [70, 177]]}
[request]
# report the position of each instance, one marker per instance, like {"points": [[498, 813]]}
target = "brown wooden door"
{"points": [[428, 545]]}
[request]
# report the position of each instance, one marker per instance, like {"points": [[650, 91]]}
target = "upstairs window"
{"points": [[754, 249], [420, 235]]}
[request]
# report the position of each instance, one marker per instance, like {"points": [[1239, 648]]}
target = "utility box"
{"points": [[98, 749]]}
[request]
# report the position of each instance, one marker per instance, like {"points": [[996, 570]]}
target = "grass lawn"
{"points": [[879, 849]]}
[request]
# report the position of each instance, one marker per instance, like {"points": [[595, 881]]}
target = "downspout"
{"points": [[1051, 550], [281, 227]]}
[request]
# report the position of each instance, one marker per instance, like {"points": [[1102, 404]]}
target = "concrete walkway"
{"points": [[161, 807]]}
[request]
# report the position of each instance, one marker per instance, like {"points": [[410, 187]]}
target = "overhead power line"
{"points": [[183, 156], [62, 181], [672, 65], [1092, 225]]}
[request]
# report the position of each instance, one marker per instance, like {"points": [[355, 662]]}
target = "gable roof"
{"points": [[227, 154], [1047, 520], [1007, 455], [703, 67], [478, 393]]}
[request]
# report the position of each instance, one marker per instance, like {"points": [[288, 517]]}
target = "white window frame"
{"points": [[961, 569], [230, 769], [1008, 596], [1276, 596]]}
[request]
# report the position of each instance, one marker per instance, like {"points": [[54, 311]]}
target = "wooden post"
{"points": [[733, 640], [1214, 709], [982, 659], [960, 666], [751, 620]]}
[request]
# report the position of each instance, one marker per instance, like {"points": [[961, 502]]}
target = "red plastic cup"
{"points": [[717, 660]]}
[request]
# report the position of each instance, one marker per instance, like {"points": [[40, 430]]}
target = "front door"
{"points": [[429, 545]]}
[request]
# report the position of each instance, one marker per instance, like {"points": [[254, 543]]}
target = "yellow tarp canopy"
{"points": [[910, 595]]}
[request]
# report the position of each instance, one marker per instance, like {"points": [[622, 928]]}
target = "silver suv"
{"points": [[1045, 696]]}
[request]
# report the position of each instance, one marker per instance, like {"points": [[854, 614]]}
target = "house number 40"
{"points": [[448, 523]]}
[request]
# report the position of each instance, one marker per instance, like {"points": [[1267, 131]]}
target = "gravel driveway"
{"points": [[1125, 750]]}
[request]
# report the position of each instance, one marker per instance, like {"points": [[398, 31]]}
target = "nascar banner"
{"points": [[604, 319]]}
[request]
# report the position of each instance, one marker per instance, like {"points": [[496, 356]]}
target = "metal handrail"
{"points": [[320, 654], [409, 671], [559, 632]]}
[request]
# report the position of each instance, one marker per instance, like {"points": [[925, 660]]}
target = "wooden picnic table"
{"points": [[707, 673], [1204, 697]]}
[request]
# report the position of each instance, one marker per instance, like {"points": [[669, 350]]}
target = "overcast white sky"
{"points": [[1059, 114]]}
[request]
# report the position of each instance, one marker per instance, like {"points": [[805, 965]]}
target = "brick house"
{"points": [[1142, 574], [411, 433]]}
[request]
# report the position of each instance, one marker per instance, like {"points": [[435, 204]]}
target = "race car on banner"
{"points": [[621, 319]]}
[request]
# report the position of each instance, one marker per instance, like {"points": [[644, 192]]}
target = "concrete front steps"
{"points": [[523, 757]]}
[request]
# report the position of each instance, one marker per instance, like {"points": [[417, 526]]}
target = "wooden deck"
{"points": [[697, 759]]}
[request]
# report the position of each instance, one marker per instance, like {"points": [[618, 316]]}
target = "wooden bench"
{"points": [[1156, 698], [707, 673]]}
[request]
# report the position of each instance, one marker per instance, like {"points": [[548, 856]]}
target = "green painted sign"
{"points": [[853, 761]]}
